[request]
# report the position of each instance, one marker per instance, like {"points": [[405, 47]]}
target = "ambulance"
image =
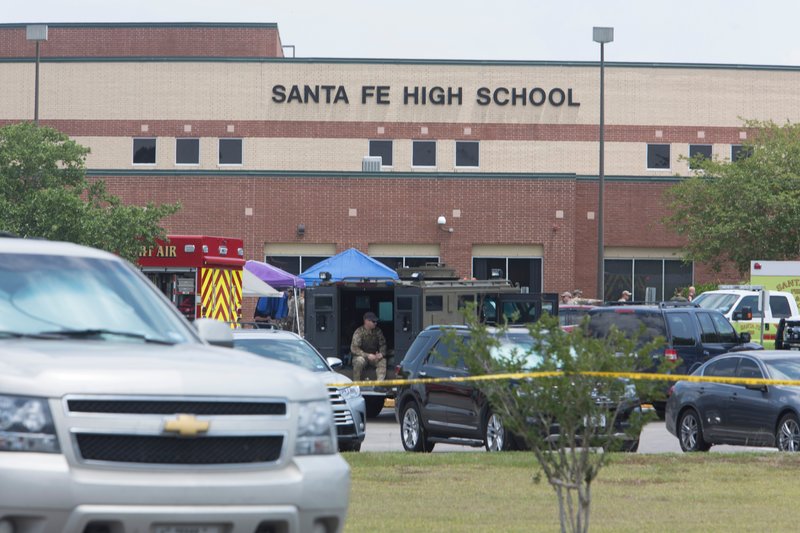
{"points": [[201, 275]]}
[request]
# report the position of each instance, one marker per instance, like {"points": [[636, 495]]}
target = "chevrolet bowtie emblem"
{"points": [[186, 425]]}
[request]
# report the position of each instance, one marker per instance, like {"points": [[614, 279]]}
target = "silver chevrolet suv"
{"points": [[116, 416]]}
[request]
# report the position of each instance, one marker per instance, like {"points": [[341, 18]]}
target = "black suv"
{"points": [[693, 335], [457, 412]]}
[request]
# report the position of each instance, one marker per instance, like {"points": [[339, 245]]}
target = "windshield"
{"points": [[515, 345], [52, 294], [720, 301], [295, 351], [784, 368]]}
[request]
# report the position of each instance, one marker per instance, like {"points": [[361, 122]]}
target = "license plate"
{"points": [[187, 528], [595, 421]]}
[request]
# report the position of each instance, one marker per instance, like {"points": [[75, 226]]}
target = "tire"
{"points": [[350, 447], [374, 405], [495, 436], [630, 446], [412, 431], [787, 436], [690, 432]]}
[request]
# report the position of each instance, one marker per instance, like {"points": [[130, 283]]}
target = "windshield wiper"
{"points": [[98, 332]]}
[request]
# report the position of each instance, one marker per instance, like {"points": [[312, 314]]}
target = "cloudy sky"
{"points": [[696, 31]]}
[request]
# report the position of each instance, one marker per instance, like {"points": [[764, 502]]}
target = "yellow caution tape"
{"points": [[641, 376]]}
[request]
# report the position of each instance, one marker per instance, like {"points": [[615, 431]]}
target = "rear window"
{"points": [[645, 324]]}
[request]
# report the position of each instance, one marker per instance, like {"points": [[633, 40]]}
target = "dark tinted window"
{"points": [[779, 305], [404, 303], [658, 156], [647, 325], [677, 274], [467, 154], [323, 303], [424, 154], [382, 149], [701, 150], [726, 332], [752, 303], [740, 152], [708, 332], [144, 151], [391, 262], [230, 151], [723, 368], [647, 273], [681, 328], [446, 354], [434, 303], [749, 369], [187, 151], [618, 277], [419, 261]]}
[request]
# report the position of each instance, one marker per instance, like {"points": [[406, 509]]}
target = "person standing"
{"points": [[369, 348], [566, 298], [626, 296], [692, 292]]}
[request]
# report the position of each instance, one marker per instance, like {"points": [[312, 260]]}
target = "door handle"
{"points": [[423, 374], [702, 390], [706, 353]]}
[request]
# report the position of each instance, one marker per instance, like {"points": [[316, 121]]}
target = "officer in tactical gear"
{"points": [[369, 348]]}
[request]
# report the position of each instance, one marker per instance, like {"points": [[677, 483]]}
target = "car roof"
{"points": [[741, 292], [266, 333], [45, 247], [768, 355]]}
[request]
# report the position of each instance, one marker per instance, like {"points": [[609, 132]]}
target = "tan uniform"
{"points": [[366, 341]]}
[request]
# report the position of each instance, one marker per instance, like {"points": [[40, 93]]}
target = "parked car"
{"points": [[457, 412], [117, 415], [349, 409], [703, 414], [692, 335]]}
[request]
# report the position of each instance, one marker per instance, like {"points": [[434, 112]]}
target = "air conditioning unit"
{"points": [[371, 164]]}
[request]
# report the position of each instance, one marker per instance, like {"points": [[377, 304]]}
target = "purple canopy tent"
{"points": [[279, 279]]}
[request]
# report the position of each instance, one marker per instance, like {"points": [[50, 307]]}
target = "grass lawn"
{"points": [[407, 492]]}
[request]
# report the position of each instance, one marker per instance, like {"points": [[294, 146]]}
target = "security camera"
{"points": [[441, 221]]}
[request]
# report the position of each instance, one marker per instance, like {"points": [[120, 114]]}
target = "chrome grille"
{"points": [[169, 407], [341, 412]]}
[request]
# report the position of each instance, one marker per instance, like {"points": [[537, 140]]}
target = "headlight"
{"points": [[26, 425], [315, 434], [348, 393]]}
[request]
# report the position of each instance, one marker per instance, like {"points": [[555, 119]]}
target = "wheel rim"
{"points": [[410, 428], [689, 430], [495, 434], [789, 436]]}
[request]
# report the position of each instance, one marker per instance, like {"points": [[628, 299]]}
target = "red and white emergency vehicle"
{"points": [[202, 275]]}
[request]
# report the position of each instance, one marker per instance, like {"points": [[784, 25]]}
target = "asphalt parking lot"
{"points": [[383, 435]]}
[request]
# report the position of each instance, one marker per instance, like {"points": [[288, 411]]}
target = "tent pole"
{"points": [[296, 311]]}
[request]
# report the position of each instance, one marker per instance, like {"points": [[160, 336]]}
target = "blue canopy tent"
{"points": [[350, 264]]}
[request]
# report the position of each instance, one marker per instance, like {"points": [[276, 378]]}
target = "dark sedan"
{"points": [[704, 414]]}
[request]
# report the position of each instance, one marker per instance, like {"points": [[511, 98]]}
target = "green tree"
{"points": [[737, 211], [583, 408], [44, 193]]}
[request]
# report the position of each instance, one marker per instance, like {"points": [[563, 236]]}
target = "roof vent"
{"points": [[371, 164]]}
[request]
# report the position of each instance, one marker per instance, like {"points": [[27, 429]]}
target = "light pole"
{"points": [[37, 33], [602, 36]]}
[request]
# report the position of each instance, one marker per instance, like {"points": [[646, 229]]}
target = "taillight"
{"points": [[397, 372], [670, 390], [671, 354]]}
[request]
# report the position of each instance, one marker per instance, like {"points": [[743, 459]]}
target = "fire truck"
{"points": [[202, 275]]}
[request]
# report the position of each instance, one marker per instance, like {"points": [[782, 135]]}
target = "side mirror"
{"points": [[744, 337], [746, 313], [762, 388], [335, 362], [214, 332]]}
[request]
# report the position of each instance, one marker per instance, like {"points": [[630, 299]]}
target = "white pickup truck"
{"points": [[116, 416], [735, 301]]}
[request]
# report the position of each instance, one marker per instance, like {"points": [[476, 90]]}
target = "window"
{"points": [[752, 303], [749, 369], [636, 275], [723, 368], [779, 305], [446, 354], [187, 151], [144, 151], [740, 152], [523, 271], [382, 149], [702, 151], [230, 151], [294, 264], [708, 334], [682, 329], [424, 154], [726, 332], [396, 262], [658, 157], [467, 154], [434, 303]]}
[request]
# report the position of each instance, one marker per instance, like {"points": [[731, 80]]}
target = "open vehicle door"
{"points": [[322, 326]]}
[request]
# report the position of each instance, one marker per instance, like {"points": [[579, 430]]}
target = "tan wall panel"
{"points": [[423, 250], [642, 253], [299, 249], [243, 91], [507, 250]]}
